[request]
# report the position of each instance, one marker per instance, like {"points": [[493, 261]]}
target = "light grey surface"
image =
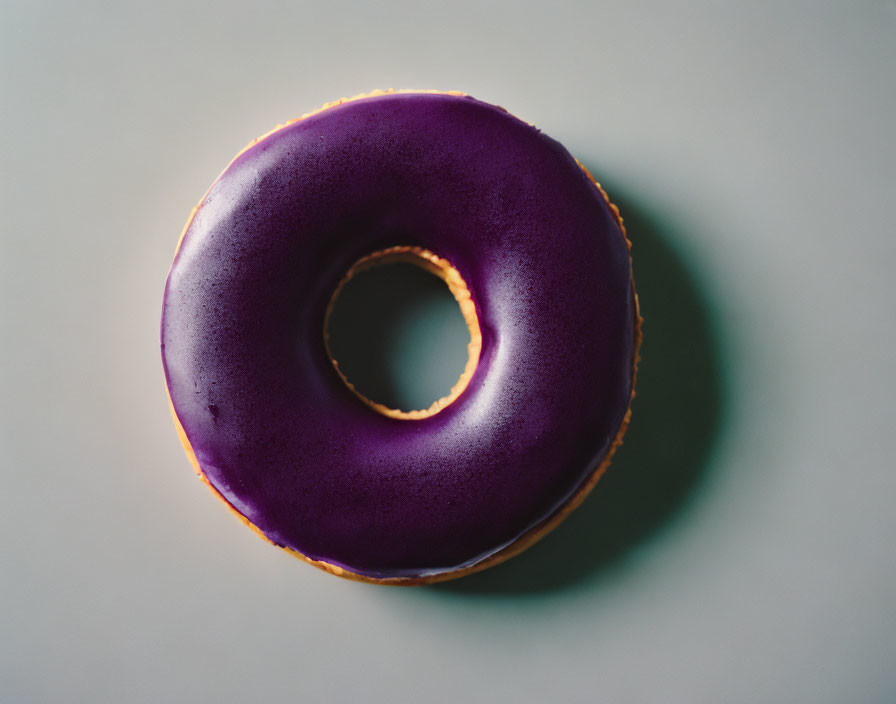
{"points": [[759, 136]]}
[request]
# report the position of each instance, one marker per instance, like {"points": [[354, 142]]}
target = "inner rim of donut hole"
{"points": [[441, 268]]}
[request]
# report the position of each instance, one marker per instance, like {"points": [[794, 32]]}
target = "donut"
{"points": [[539, 262]]}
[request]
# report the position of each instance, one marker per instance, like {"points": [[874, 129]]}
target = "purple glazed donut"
{"points": [[535, 254]]}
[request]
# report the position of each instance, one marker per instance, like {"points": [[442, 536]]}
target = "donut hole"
{"points": [[402, 333]]}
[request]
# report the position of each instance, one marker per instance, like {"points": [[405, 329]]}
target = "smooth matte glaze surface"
{"points": [[275, 430]]}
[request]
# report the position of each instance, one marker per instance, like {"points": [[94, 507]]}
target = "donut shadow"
{"points": [[677, 418]]}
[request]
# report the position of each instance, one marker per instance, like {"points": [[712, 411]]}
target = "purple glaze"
{"points": [[274, 428]]}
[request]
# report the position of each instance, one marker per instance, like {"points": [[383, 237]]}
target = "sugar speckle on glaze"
{"points": [[272, 426]]}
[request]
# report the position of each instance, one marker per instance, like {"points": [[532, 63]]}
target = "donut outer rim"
{"points": [[523, 541]]}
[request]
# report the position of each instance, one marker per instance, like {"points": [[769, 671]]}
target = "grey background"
{"points": [[743, 552]]}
